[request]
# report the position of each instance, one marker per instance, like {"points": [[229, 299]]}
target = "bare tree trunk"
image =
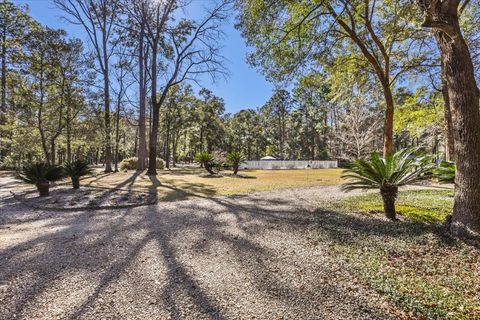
{"points": [[152, 170], [142, 142], [135, 142], [60, 123], [388, 147], [167, 144], [201, 137], [52, 151], [69, 134], [449, 141], [312, 141], [282, 134], [174, 149], [3, 56], [463, 94], [40, 115], [117, 132], [108, 142]]}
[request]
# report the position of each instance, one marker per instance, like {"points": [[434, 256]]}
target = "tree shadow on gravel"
{"points": [[262, 265], [60, 252], [104, 247], [107, 192], [80, 245]]}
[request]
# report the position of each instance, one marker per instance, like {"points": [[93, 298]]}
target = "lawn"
{"points": [[182, 183], [413, 205], [413, 262]]}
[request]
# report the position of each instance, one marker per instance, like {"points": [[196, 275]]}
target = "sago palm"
{"points": [[446, 172], [41, 174], [235, 159], [387, 174], [75, 170], [206, 160]]}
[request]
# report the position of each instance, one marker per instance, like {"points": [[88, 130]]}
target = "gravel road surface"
{"points": [[243, 257]]}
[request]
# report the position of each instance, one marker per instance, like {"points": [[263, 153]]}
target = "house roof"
{"points": [[268, 158]]}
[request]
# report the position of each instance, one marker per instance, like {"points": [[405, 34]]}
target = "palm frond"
{"points": [[77, 168], [40, 172], [399, 169], [235, 158], [446, 172]]}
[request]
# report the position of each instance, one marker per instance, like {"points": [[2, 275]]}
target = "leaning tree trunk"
{"points": [[209, 169], [463, 94]]}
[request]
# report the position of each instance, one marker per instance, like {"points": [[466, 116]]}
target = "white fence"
{"points": [[288, 164]]}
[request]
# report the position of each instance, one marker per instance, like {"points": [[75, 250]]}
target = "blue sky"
{"points": [[245, 88]]}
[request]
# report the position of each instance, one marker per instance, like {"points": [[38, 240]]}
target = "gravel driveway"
{"points": [[242, 257]]}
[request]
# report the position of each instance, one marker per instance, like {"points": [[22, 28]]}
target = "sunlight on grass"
{"points": [[183, 183], [416, 205]]}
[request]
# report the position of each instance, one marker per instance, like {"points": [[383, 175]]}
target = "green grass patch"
{"points": [[412, 262], [428, 206]]}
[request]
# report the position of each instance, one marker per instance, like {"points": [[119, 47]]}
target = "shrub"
{"points": [[387, 174], [75, 170], [10, 162], [160, 164], [131, 163]]}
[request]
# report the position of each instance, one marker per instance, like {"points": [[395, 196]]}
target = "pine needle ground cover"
{"points": [[413, 261]]}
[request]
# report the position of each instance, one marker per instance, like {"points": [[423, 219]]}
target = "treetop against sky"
{"points": [[244, 88]]}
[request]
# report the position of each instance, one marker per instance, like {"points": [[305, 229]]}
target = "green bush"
{"points": [[131, 163], [160, 164]]}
